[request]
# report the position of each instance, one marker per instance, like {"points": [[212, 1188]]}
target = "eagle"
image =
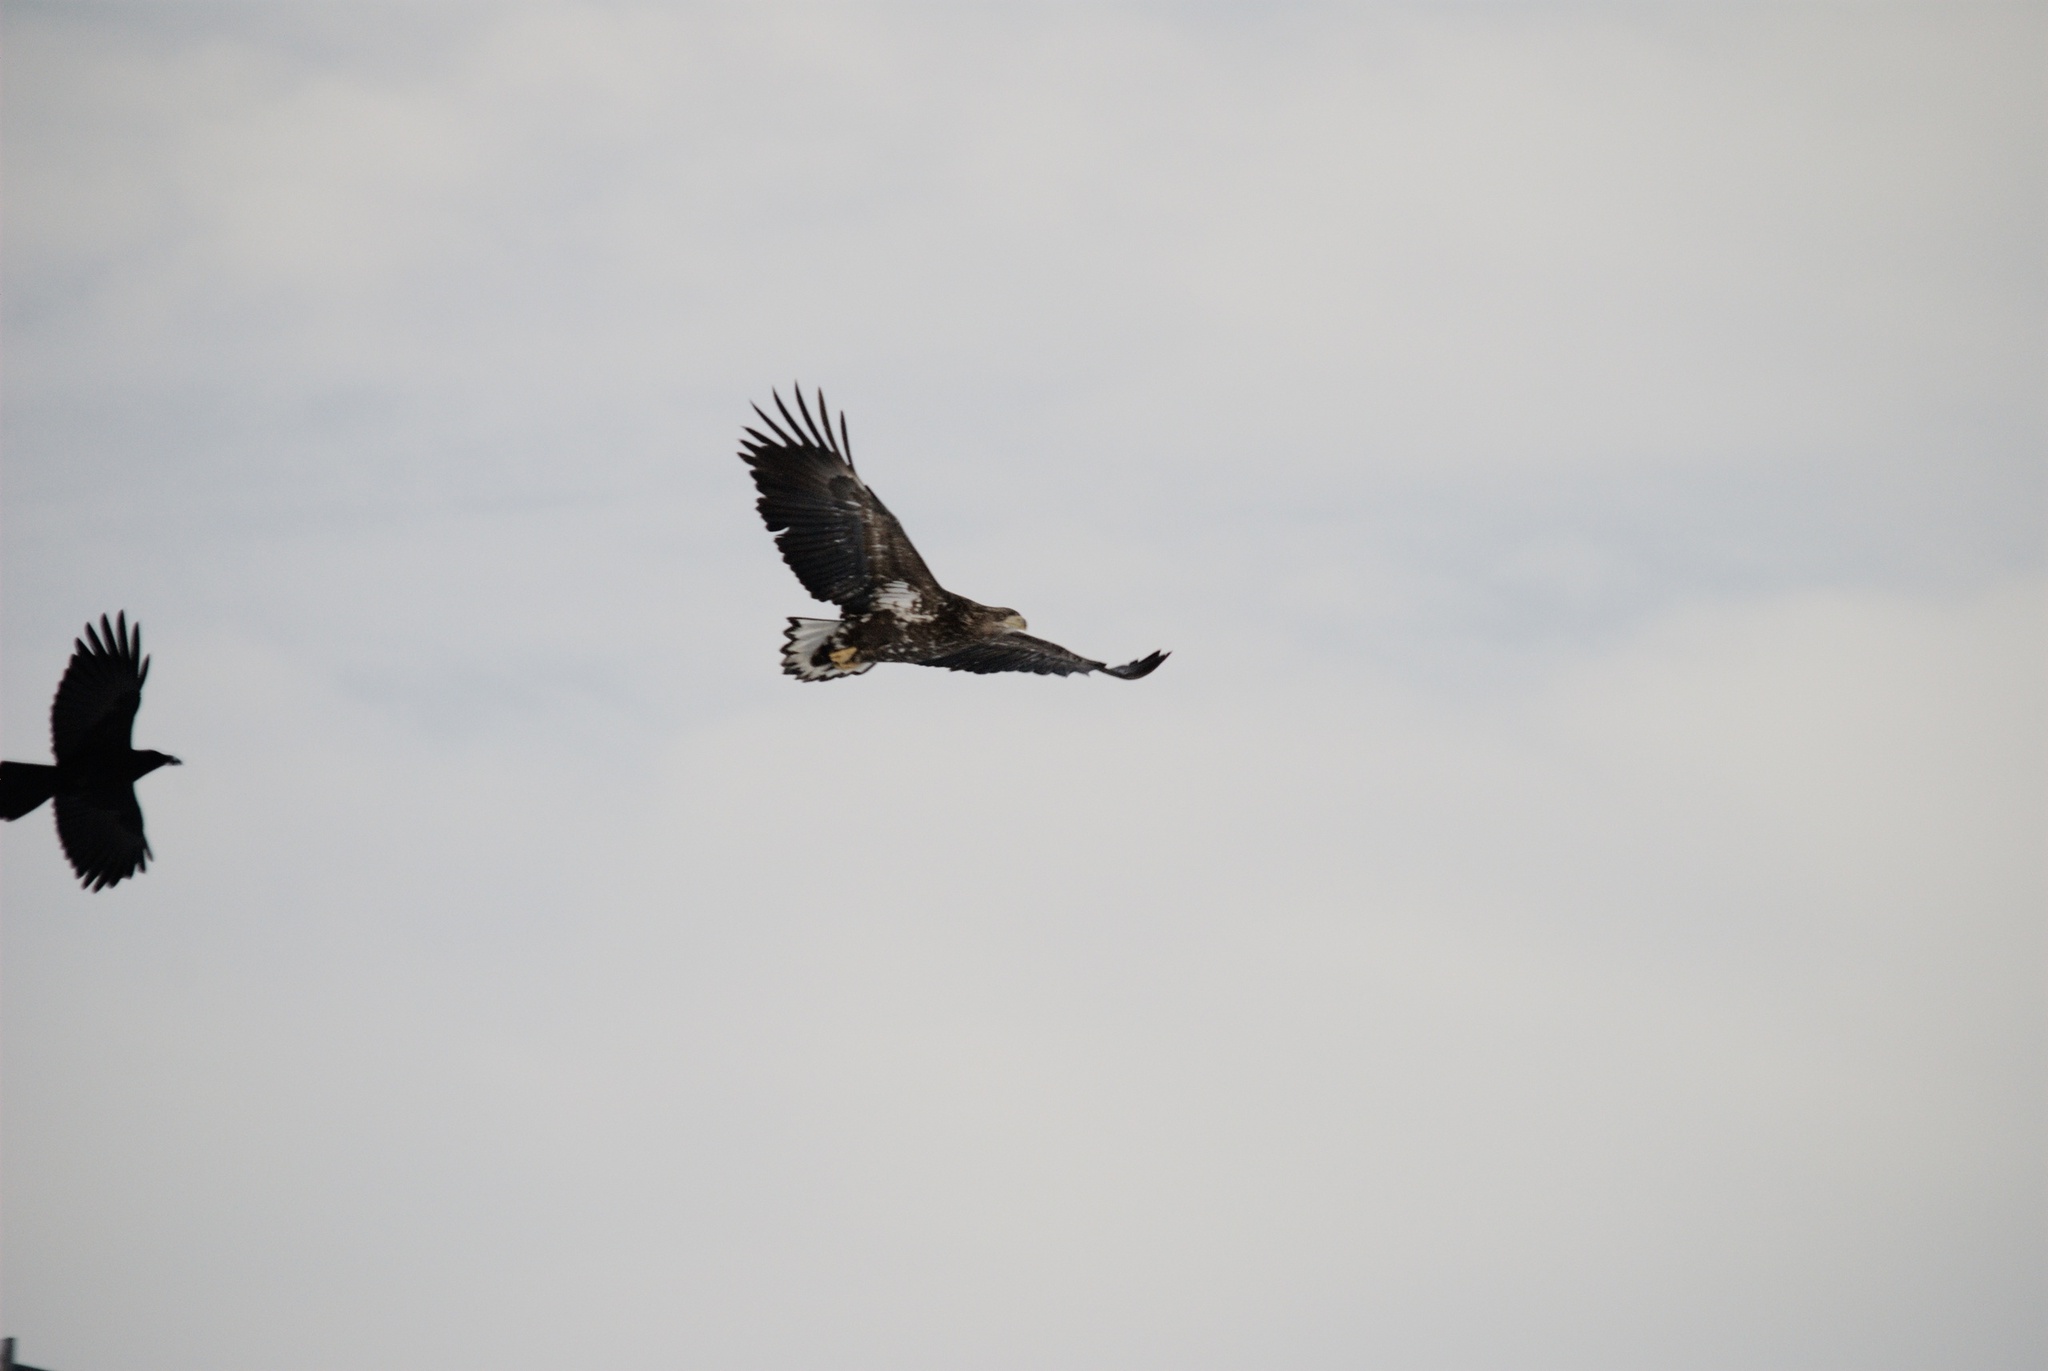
{"points": [[847, 548], [98, 821]]}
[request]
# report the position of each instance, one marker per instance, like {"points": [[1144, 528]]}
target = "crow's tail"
{"points": [[23, 786]]}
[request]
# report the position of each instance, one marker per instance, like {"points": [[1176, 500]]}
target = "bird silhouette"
{"points": [[98, 821]]}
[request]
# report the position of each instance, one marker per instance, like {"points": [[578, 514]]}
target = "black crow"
{"points": [[98, 821]]}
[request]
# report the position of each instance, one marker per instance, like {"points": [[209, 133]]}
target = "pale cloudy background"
{"points": [[1574, 899]]}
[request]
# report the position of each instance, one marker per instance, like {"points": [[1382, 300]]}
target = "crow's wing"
{"points": [[101, 831], [837, 536], [94, 711], [1012, 651]]}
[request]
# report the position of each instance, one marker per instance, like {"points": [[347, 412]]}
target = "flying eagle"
{"points": [[98, 821], [846, 547]]}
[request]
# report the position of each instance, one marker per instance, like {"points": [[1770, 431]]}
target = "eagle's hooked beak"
{"points": [[1015, 621]]}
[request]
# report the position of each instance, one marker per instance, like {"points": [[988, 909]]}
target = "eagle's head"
{"points": [[1010, 618]]}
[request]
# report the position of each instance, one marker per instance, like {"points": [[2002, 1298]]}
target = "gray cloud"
{"points": [[1573, 898]]}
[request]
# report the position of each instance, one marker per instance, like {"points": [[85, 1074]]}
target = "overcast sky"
{"points": [[1572, 900]]}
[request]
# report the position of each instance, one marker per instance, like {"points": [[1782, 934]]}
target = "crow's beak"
{"points": [[172, 761]]}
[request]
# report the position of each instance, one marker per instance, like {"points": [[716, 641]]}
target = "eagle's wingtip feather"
{"points": [[1144, 666]]}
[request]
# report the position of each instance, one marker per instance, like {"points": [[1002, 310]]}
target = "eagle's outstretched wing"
{"points": [[1013, 651], [837, 536], [101, 831], [102, 688]]}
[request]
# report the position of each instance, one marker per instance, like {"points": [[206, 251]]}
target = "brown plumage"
{"points": [[847, 548]]}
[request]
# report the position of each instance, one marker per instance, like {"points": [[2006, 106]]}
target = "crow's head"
{"points": [[147, 761]]}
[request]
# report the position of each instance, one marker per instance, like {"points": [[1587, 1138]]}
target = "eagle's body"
{"points": [[847, 548], [93, 782]]}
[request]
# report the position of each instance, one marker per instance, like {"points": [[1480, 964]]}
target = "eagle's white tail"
{"points": [[808, 654]]}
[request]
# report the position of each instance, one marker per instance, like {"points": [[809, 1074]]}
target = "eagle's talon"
{"points": [[844, 657]]}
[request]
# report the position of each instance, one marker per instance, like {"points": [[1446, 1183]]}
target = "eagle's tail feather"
{"points": [[808, 653]]}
